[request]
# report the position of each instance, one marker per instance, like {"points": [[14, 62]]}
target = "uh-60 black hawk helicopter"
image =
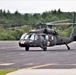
{"points": [[45, 37]]}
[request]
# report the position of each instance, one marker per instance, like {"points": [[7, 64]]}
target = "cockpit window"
{"points": [[23, 36], [28, 36], [32, 37]]}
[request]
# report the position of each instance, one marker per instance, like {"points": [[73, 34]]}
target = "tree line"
{"points": [[25, 20]]}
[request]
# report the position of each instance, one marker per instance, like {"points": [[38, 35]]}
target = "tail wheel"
{"points": [[27, 48]]}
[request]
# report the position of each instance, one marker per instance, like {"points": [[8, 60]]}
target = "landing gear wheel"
{"points": [[27, 48], [45, 48], [68, 48]]}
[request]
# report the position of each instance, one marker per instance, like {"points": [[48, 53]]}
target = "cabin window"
{"points": [[42, 37], [36, 37], [47, 38], [51, 37]]}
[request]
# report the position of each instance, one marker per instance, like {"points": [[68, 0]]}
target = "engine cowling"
{"points": [[50, 31]]}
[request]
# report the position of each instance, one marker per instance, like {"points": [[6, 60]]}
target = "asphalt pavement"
{"points": [[13, 56], [55, 58]]}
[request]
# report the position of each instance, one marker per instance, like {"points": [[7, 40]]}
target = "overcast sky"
{"points": [[37, 6]]}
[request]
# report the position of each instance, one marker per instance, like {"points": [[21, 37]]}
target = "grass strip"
{"points": [[5, 71]]}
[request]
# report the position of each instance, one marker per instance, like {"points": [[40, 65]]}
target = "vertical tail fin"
{"points": [[73, 33]]}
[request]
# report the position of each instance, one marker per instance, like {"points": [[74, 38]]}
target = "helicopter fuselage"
{"points": [[40, 38]]}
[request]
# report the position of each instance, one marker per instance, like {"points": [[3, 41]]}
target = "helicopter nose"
{"points": [[22, 42]]}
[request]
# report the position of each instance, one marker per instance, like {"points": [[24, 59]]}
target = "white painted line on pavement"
{"points": [[6, 64], [8, 47]]}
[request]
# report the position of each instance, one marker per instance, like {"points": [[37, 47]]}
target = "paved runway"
{"points": [[56, 57]]}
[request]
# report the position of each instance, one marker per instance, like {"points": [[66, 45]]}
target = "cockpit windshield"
{"points": [[23, 36], [28, 36]]}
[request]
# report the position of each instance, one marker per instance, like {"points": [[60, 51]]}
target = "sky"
{"points": [[37, 6]]}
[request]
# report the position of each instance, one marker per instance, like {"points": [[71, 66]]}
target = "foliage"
{"points": [[13, 34], [25, 22], [66, 32], [5, 71]]}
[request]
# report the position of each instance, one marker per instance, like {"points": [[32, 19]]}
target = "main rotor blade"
{"points": [[60, 24], [46, 23], [61, 21]]}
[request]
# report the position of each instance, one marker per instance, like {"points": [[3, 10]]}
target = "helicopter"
{"points": [[45, 37]]}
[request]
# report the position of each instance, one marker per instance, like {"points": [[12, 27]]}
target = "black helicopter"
{"points": [[45, 37]]}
